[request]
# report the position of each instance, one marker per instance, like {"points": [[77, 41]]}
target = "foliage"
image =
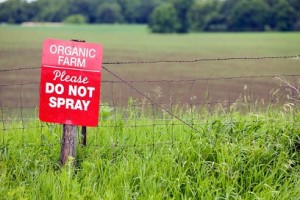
{"points": [[84, 7], [182, 8], [248, 15], [13, 11], [196, 15], [233, 156], [284, 16], [75, 19], [171, 17], [109, 13], [50, 11], [164, 19], [204, 16]]}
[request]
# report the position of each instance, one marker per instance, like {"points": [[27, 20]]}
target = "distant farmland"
{"points": [[21, 48]]}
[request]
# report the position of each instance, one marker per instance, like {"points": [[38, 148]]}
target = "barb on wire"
{"points": [[150, 99]]}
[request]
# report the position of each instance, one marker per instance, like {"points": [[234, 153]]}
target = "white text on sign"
{"points": [[69, 103], [72, 56], [71, 91], [63, 77]]}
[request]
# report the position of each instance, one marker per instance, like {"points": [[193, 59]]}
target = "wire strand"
{"points": [[150, 99], [296, 57]]}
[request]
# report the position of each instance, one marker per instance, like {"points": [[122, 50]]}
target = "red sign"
{"points": [[70, 82]]}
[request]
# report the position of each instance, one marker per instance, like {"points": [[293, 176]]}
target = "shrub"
{"points": [[75, 19], [164, 19]]}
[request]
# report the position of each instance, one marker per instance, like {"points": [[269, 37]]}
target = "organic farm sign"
{"points": [[70, 82]]}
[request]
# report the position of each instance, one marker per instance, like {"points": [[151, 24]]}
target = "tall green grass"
{"points": [[234, 155]]}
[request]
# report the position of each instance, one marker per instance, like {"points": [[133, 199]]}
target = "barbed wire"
{"points": [[157, 109], [206, 78], [145, 105], [296, 57], [176, 80], [166, 124], [18, 69], [201, 60], [150, 99]]}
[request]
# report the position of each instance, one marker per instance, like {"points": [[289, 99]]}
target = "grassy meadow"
{"points": [[238, 151], [231, 156]]}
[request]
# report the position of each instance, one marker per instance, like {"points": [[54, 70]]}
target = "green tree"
{"points": [[248, 15], [295, 4], [184, 15], [87, 8], [164, 19], [182, 9], [285, 17], [145, 8], [13, 11], [205, 16], [50, 11], [75, 19], [109, 13], [138, 11], [129, 9]]}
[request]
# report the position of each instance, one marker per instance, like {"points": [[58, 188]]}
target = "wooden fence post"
{"points": [[69, 138], [68, 143]]}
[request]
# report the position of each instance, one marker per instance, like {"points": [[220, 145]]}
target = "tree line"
{"points": [[162, 16]]}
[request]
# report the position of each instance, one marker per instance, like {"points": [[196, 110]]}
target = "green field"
{"points": [[21, 47]]}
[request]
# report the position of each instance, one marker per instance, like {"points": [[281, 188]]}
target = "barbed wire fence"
{"points": [[137, 113]]}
